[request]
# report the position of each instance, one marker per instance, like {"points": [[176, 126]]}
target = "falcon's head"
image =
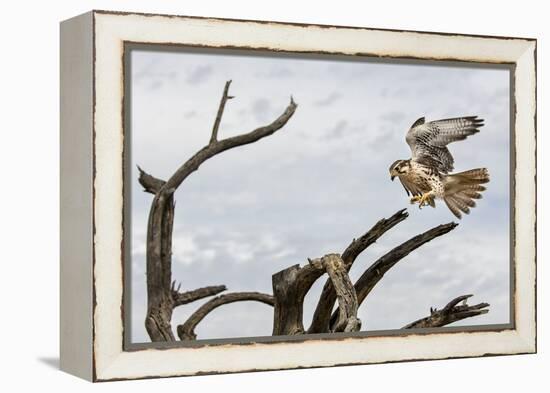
{"points": [[399, 167]]}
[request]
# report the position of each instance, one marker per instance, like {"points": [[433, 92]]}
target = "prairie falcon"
{"points": [[426, 176]]}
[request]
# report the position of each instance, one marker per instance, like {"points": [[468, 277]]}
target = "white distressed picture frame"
{"points": [[92, 143]]}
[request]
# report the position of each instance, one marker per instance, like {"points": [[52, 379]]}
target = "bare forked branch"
{"points": [[376, 271], [161, 296], [452, 312], [321, 317], [217, 147], [186, 331]]}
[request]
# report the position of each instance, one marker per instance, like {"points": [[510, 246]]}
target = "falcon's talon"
{"points": [[415, 199], [425, 199]]}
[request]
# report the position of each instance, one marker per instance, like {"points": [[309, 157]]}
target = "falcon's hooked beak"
{"points": [[393, 173], [392, 177]]}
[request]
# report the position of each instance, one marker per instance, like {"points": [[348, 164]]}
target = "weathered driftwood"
{"points": [[290, 285], [160, 297], [452, 312]]}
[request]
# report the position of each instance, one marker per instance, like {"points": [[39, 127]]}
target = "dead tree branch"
{"points": [[181, 298], [292, 284], [186, 331], [376, 271], [290, 287], [159, 269], [150, 183], [160, 299], [347, 298], [225, 97], [321, 317], [217, 147], [452, 312]]}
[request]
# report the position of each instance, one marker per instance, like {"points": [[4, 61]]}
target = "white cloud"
{"points": [[241, 252], [186, 250], [328, 100], [248, 247], [199, 74]]}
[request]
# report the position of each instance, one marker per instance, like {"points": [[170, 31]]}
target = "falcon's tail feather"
{"points": [[473, 176], [462, 188]]}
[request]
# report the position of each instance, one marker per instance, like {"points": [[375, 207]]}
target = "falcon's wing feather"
{"points": [[410, 188], [428, 141]]}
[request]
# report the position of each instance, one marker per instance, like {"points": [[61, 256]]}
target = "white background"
{"points": [[30, 181]]}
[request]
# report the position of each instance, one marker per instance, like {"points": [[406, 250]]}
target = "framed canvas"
{"points": [[290, 246]]}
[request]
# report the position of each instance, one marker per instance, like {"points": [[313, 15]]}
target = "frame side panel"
{"points": [[76, 177]]}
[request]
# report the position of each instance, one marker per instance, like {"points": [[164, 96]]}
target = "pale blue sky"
{"points": [[316, 184]]}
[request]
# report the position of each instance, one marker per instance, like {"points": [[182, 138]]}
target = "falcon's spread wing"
{"points": [[428, 141]]}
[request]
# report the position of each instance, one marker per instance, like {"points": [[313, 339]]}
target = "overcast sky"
{"points": [[316, 184]]}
